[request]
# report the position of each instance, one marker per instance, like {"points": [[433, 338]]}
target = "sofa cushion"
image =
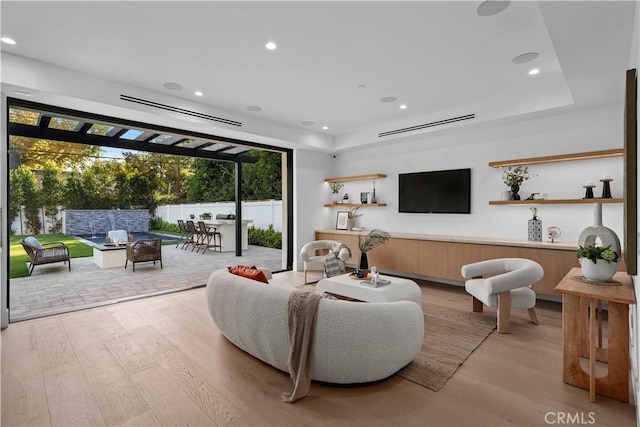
{"points": [[250, 272], [33, 242]]}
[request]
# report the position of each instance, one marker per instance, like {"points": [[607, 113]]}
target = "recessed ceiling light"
{"points": [[173, 86], [525, 57], [533, 71], [8, 40], [19, 92], [403, 107], [198, 93], [491, 7], [271, 46], [361, 86], [325, 127], [308, 123], [254, 108], [388, 99]]}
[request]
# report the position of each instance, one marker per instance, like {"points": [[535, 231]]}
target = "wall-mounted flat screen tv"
{"points": [[446, 191]]}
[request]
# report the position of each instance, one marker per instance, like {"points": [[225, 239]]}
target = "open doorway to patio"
{"points": [[83, 179]]}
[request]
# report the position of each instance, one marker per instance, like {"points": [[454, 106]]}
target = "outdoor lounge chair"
{"points": [[144, 251], [46, 253]]}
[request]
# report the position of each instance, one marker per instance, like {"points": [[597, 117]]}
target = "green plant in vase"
{"points": [[598, 263], [514, 177], [335, 189], [365, 244]]}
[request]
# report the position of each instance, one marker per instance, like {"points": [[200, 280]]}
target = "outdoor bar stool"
{"points": [[184, 233], [193, 237], [206, 235]]}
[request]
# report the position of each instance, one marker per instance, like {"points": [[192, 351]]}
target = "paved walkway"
{"points": [[52, 289]]}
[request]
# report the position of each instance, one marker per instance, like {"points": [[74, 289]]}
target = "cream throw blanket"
{"points": [[303, 309]]}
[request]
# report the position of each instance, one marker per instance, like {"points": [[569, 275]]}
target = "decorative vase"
{"points": [[350, 224], [335, 197], [534, 232], [374, 199], [601, 271], [514, 192], [363, 265]]}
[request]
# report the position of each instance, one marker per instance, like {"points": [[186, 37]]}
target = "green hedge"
{"points": [[158, 224], [268, 238]]}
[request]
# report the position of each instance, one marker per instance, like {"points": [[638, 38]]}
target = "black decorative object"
{"points": [[589, 190], [606, 187], [514, 192], [363, 197], [363, 265]]}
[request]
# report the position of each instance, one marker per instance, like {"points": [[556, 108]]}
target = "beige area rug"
{"points": [[450, 336]]}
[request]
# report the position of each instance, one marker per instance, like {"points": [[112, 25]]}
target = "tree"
{"points": [[91, 187], [172, 172], [211, 181], [262, 180], [214, 181], [137, 182], [51, 195], [23, 187]]}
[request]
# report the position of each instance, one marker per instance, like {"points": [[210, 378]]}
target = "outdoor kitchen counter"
{"points": [[227, 229]]}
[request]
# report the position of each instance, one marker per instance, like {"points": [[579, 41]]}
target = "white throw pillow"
{"points": [[33, 242]]}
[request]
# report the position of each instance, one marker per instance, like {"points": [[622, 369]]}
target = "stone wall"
{"points": [[98, 222]]}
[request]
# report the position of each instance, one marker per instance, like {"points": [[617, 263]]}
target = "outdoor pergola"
{"points": [[39, 121]]}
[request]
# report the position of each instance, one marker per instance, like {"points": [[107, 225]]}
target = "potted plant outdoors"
{"points": [[374, 238], [335, 189], [514, 177], [205, 215], [598, 263], [352, 215]]}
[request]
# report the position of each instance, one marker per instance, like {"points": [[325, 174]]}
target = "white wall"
{"points": [[310, 168], [554, 133]]}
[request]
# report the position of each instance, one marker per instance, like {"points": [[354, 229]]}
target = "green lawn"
{"points": [[18, 258]]}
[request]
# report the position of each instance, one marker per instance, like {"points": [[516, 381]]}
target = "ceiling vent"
{"points": [[179, 110], [427, 125]]}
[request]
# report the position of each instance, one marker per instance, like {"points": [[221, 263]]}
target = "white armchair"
{"points": [[313, 261], [510, 286]]}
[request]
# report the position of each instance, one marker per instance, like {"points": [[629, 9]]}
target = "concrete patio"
{"points": [[52, 289]]}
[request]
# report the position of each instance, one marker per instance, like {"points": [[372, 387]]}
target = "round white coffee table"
{"points": [[399, 289]]}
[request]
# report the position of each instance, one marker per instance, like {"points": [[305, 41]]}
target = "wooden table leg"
{"points": [[592, 350]]}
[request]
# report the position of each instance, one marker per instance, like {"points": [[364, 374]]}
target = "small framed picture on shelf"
{"points": [[341, 220]]}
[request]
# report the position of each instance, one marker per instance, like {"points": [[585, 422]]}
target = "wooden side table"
{"points": [[582, 334]]}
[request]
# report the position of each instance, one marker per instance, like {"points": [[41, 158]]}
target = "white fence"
{"points": [[21, 228], [262, 213]]}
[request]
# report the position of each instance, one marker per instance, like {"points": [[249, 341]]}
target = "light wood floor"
{"points": [[161, 361]]}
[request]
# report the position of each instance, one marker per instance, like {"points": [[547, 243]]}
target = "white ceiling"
{"points": [[440, 58]]}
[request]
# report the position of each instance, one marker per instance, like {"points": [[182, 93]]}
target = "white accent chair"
{"points": [[313, 261], [509, 286]]}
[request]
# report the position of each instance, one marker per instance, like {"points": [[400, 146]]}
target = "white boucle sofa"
{"points": [[354, 342]]}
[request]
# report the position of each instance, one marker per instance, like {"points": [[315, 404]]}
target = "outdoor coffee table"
{"points": [[105, 256], [399, 289]]}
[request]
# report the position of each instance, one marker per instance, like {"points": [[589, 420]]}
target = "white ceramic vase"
{"points": [[601, 271]]}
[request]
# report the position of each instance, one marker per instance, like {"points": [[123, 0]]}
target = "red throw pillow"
{"points": [[250, 272]]}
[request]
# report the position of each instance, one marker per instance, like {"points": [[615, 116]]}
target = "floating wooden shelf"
{"points": [[356, 177], [559, 158], [554, 201], [351, 205]]}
